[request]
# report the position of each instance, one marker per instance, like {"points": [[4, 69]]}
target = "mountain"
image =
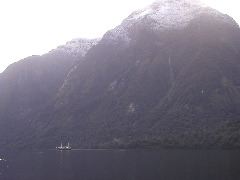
{"points": [[168, 76], [32, 83]]}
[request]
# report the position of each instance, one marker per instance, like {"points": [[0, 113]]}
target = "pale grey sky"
{"points": [[33, 27]]}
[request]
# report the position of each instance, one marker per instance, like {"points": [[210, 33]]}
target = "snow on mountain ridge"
{"points": [[168, 12], [77, 47], [164, 15]]}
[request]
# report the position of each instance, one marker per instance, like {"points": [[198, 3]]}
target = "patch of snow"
{"points": [[119, 33], [163, 15], [140, 14], [170, 13], [77, 47]]}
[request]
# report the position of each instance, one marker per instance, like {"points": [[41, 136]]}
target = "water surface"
{"points": [[121, 165]]}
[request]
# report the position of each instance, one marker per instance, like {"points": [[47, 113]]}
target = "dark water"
{"points": [[121, 165]]}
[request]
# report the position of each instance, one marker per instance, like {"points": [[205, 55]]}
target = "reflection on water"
{"points": [[121, 165], [3, 167]]}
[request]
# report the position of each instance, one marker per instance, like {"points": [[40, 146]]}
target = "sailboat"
{"points": [[68, 147]]}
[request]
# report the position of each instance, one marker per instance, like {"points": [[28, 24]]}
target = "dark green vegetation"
{"points": [[174, 88]]}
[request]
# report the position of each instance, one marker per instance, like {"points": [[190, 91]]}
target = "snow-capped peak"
{"points": [[168, 8], [77, 47], [163, 15]]}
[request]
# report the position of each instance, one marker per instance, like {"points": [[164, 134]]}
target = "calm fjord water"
{"points": [[121, 165]]}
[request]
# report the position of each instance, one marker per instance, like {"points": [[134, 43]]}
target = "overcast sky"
{"points": [[33, 27]]}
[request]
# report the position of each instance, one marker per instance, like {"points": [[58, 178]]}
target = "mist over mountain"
{"points": [[168, 76]]}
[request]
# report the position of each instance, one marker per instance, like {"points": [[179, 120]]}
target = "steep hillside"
{"points": [[168, 76], [28, 86]]}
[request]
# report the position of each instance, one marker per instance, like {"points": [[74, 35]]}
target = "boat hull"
{"points": [[63, 148]]}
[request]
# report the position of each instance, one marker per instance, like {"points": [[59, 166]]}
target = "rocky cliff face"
{"points": [[167, 76]]}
